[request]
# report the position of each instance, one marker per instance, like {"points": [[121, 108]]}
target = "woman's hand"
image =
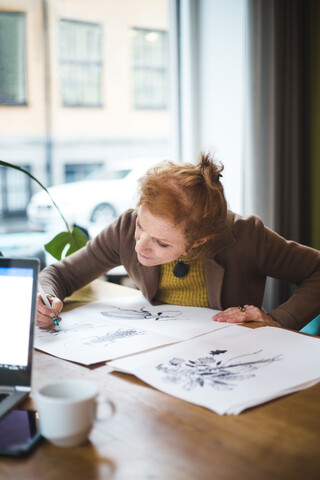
{"points": [[45, 314], [246, 313]]}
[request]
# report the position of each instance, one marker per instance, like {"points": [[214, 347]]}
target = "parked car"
{"points": [[91, 203]]}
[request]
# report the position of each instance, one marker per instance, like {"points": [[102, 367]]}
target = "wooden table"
{"points": [[157, 437]]}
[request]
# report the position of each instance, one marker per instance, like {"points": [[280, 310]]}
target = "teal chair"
{"points": [[313, 327]]}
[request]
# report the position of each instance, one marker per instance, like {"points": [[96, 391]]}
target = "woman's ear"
{"points": [[200, 242]]}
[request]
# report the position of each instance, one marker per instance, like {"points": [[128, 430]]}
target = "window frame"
{"points": [[86, 64], [164, 69], [21, 83]]}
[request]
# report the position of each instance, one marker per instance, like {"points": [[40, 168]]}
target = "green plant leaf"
{"points": [[60, 243]]}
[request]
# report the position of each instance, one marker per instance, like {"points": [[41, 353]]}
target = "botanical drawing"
{"points": [[107, 338], [140, 314], [212, 371], [111, 337]]}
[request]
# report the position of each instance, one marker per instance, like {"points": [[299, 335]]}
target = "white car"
{"points": [[91, 203]]}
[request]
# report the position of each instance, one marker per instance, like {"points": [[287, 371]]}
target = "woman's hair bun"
{"points": [[209, 168]]}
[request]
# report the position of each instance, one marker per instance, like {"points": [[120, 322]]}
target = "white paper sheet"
{"points": [[174, 320], [105, 330], [232, 369]]}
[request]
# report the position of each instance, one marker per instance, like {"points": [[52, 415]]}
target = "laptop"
{"points": [[18, 297]]}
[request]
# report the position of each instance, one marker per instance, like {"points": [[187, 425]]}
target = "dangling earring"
{"points": [[180, 270]]}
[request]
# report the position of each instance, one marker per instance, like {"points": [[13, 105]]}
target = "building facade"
{"points": [[83, 83]]}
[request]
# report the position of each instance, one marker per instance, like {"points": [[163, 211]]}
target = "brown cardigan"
{"points": [[236, 268]]}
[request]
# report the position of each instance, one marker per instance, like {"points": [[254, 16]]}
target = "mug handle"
{"points": [[101, 402]]}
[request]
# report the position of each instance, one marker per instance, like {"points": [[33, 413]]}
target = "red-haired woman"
{"points": [[182, 246]]}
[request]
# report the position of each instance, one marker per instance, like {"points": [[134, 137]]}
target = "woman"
{"points": [[182, 246]]}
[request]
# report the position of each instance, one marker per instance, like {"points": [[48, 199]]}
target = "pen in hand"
{"points": [[47, 303]]}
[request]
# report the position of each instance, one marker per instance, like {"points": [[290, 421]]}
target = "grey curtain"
{"points": [[277, 147]]}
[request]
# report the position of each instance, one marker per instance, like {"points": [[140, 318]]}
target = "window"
{"points": [[12, 59], [79, 171], [15, 191], [90, 82], [150, 69], [80, 63]]}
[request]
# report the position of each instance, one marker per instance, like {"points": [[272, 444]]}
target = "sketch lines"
{"points": [[213, 371], [113, 336], [140, 314]]}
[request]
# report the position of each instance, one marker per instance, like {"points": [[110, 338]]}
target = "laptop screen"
{"points": [[18, 289]]}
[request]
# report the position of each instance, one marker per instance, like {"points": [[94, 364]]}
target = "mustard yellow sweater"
{"points": [[190, 290]]}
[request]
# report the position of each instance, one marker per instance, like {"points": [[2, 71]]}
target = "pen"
{"points": [[47, 303]]}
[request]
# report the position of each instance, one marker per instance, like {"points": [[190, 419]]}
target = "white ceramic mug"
{"points": [[68, 410]]}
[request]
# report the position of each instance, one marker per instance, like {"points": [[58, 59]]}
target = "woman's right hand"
{"points": [[46, 314]]}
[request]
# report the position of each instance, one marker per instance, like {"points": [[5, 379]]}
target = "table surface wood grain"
{"points": [[154, 436]]}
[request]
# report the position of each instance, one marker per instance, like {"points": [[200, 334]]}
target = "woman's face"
{"points": [[157, 241]]}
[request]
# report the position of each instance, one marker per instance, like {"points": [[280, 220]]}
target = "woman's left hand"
{"points": [[245, 313]]}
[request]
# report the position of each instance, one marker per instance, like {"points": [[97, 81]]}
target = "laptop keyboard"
{"points": [[3, 396]]}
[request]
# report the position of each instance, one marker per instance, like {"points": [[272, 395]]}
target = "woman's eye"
{"points": [[163, 245]]}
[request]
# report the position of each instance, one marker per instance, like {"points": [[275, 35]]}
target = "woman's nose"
{"points": [[142, 242]]}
